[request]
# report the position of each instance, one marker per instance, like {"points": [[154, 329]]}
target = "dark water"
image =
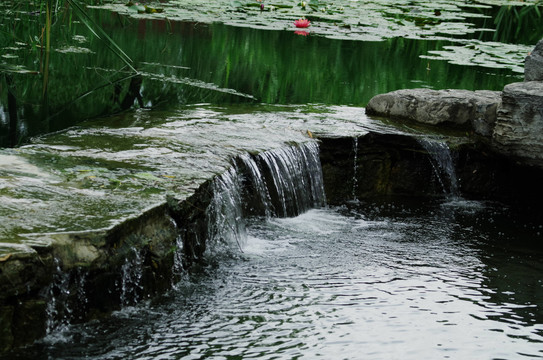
{"points": [[450, 279]]}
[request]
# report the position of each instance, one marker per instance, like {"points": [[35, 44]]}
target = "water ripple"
{"points": [[323, 285]]}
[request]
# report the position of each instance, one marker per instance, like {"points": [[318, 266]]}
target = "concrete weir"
{"points": [[106, 215]]}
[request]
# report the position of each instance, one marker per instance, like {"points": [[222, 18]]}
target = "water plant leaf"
{"points": [[137, 8], [195, 83], [5, 258], [487, 54], [153, 10], [17, 69], [361, 20]]}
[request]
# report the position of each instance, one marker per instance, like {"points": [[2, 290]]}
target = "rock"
{"points": [[533, 66], [519, 125], [460, 107], [376, 165], [6, 334]]}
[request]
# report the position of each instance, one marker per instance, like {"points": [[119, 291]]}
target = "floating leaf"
{"points": [[5, 258], [137, 8], [152, 10]]}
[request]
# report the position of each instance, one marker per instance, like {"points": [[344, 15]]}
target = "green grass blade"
{"points": [[101, 34]]}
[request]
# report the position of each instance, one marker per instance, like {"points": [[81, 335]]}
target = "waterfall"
{"points": [[260, 201], [224, 214], [66, 300], [58, 310], [355, 169], [443, 165], [294, 178], [131, 274], [281, 182]]}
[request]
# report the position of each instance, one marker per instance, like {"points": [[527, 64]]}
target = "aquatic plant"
{"points": [[39, 40], [512, 22]]}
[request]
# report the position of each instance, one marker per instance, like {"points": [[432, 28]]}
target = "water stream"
{"points": [[442, 162]]}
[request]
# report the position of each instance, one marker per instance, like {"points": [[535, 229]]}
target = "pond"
{"points": [[396, 278], [369, 280], [110, 58]]}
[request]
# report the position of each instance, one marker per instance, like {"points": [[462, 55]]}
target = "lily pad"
{"points": [[361, 20]]}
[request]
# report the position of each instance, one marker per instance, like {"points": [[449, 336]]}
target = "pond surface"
{"points": [[231, 52], [444, 279]]}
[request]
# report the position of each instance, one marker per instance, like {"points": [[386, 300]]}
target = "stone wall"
{"points": [[519, 128], [376, 165], [475, 110], [83, 272], [396, 165]]}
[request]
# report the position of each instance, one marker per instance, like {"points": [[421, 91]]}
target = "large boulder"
{"points": [[519, 125], [533, 66], [476, 109]]}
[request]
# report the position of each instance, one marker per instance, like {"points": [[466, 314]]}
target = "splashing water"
{"points": [[280, 182], [355, 169], [131, 274]]}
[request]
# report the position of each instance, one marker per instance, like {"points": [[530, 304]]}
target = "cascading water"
{"points": [[66, 300], [260, 200], [355, 169], [295, 178], [130, 283], [282, 182], [224, 215], [443, 165], [58, 310]]}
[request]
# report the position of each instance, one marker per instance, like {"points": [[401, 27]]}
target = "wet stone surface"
{"points": [[94, 176]]}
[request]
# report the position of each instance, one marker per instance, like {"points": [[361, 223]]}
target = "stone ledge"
{"points": [[519, 126], [476, 109], [533, 65]]}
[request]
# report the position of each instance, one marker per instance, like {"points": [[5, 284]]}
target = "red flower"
{"points": [[302, 23]]}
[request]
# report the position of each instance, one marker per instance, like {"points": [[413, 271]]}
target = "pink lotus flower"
{"points": [[302, 23]]}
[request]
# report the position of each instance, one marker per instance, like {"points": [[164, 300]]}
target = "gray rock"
{"points": [[533, 66], [474, 108], [519, 126]]}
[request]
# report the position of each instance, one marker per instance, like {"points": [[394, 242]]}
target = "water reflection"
{"points": [[187, 62], [368, 280]]}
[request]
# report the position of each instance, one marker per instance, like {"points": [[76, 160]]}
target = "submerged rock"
{"points": [[519, 127], [460, 107], [533, 66]]}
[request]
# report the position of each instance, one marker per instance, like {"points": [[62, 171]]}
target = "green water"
{"points": [[258, 58]]}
